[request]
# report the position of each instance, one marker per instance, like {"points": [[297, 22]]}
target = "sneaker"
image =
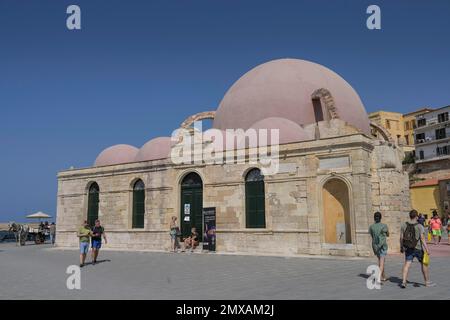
{"points": [[403, 285], [81, 265], [430, 284]]}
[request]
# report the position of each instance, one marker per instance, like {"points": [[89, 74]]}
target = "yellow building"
{"points": [[400, 126], [425, 196], [392, 122], [409, 124]]}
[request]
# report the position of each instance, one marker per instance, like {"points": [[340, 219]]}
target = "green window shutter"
{"points": [[138, 205], [255, 200], [93, 201]]}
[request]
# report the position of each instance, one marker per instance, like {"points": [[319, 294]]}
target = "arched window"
{"points": [[138, 204], [255, 212], [93, 200]]}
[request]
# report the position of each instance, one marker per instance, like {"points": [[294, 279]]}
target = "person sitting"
{"points": [[191, 241]]}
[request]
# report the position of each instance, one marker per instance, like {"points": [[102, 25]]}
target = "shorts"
{"points": [[96, 244], [436, 232], [84, 247], [382, 253], [410, 254]]}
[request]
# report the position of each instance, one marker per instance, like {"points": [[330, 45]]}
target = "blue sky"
{"points": [[137, 69]]}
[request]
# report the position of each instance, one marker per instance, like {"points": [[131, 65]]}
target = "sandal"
{"points": [[403, 285]]}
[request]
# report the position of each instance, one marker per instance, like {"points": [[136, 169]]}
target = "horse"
{"points": [[20, 232]]}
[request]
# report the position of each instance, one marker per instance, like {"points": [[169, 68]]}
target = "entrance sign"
{"points": [[209, 229], [187, 209]]}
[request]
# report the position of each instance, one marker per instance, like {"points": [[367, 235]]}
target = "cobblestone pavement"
{"points": [[39, 272]]}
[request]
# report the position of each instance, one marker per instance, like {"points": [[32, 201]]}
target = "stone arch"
{"points": [[336, 206], [327, 100], [197, 117], [382, 131]]}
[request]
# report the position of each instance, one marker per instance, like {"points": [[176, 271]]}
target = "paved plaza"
{"points": [[39, 272]]}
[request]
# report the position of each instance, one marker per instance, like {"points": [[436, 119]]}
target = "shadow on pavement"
{"points": [[398, 281], [98, 262], [394, 279]]}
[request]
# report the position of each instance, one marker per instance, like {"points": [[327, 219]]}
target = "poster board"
{"points": [[209, 229]]}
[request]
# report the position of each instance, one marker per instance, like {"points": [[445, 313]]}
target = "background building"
{"points": [[400, 126], [392, 122], [410, 124], [432, 136]]}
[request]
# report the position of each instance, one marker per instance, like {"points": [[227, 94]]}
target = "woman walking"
{"points": [[436, 226]]}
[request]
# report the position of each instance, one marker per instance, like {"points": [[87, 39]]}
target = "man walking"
{"points": [[379, 233], [98, 231], [84, 233], [413, 244]]}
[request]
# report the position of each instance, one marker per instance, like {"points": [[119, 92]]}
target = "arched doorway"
{"points": [[191, 204], [336, 212], [93, 200]]}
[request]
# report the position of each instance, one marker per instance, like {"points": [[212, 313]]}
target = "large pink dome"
{"points": [[118, 154], [283, 88], [157, 148], [289, 131]]}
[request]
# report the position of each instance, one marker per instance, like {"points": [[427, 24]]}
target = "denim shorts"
{"points": [[96, 244], [382, 253], [84, 247], [410, 254]]}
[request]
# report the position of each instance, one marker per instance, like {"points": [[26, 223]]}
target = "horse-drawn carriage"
{"points": [[39, 234], [23, 232]]}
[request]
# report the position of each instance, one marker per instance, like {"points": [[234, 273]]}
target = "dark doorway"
{"points": [[192, 205]]}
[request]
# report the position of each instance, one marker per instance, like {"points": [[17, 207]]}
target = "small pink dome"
{"points": [[283, 88], [289, 131], [118, 154], [157, 148], [220, 142]]}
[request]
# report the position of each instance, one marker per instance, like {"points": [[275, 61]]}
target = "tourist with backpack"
{"points": [[379, 233], [413, 244]]}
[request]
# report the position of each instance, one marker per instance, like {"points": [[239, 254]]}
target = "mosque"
{"points": [[332, 174]]}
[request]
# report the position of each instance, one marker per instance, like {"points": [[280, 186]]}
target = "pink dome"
{"points": [[157, 148], [118, 154], [213, 136], [289, 131], [283, 88]]}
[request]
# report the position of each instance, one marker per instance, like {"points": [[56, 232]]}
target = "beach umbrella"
{"points": [[38, 215]]}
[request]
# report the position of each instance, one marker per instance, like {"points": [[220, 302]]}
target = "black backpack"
{"points": [[409, 236]]}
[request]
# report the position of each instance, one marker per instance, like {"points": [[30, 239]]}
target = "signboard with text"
{"points": [[209, 229]]}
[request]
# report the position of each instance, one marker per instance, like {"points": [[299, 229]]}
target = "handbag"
{"points": [[426, 259]]}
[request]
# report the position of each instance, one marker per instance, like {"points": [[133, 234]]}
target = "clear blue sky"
{"points": [[137, 69]]}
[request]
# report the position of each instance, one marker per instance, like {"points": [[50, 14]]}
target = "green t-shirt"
{"points": [[419, 229], [379, 232], [85, 234]]}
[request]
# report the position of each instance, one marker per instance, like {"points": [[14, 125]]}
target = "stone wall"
{"points": [[294, 210]]}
